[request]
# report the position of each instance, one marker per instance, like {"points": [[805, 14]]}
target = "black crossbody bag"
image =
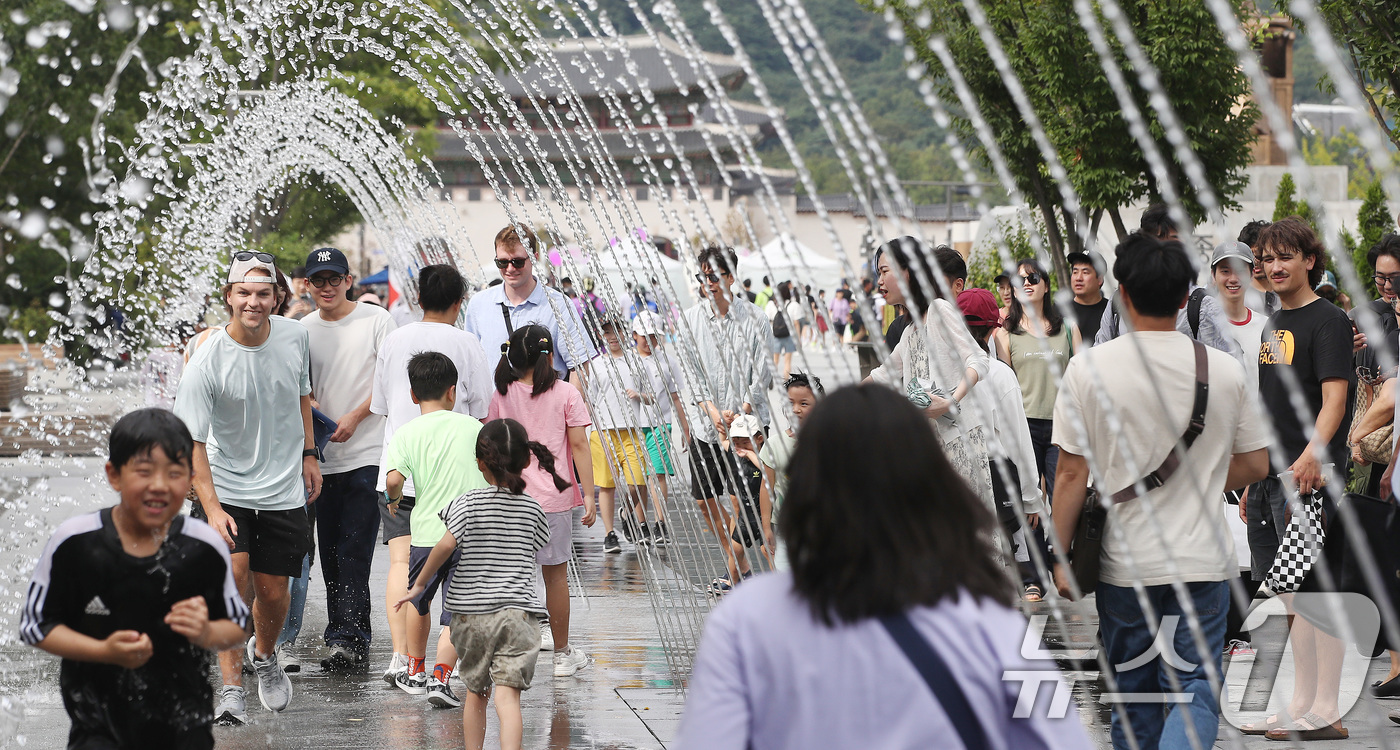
{"points": [[1085, 552]]}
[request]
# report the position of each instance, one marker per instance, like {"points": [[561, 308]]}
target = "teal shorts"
{"points": [[658, 440]]}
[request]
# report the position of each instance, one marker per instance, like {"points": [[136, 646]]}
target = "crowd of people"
{"points": [[467, 440]]}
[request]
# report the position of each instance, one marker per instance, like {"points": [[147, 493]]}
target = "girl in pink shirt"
{"points": [[529, 390]]}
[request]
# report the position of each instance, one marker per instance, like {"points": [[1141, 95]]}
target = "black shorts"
{"points": [[395, 525], [417, 557], [714, 471], [276, 541], [748, 529]]}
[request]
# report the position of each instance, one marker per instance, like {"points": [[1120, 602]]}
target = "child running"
{"points": [[618, 386], [745, 527], [437, 451], [802, 391], [134, 598], [649, 331], [528, 390], [494, 534]]}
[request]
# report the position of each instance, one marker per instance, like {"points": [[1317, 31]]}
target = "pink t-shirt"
{"points": [[546, 419]]}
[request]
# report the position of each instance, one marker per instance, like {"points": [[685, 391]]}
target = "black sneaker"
{"points": [[660, 534], [644, 535], [628, 532], [440, 694], [342, 659], [610, 543]]}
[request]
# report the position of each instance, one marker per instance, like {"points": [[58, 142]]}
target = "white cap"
{"points": [[238, 270], [648, 323], [745, 426]]}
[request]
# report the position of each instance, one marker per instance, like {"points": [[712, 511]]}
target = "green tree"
{"points": [[1368, 33], [1373, 221], [1052, 56], [1284, 205]]}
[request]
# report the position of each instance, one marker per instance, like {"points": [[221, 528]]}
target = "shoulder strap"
{"points": [[1193, 311], [505, 313], [939, 679], [1193, 430]]}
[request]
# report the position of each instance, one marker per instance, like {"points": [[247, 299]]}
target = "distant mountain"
{"points": [[872, 66]]}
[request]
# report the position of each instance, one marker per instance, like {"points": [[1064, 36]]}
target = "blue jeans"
{"points": [[347, 522], [297, 606], [1047, 454], [1126, 637]]}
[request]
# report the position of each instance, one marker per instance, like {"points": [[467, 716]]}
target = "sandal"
{"points": [[1316, 729], [1033, 593], [1269, 724]]}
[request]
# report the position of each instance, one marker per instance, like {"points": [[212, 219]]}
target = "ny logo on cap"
{"points": [[323, 256]]}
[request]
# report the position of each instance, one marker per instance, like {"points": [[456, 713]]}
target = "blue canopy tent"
{"points": [[379, 278]]}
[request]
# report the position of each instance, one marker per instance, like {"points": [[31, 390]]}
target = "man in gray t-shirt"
{"points": [[245, 396]]}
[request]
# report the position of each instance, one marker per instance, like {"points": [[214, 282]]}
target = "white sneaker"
{"points": [[231, 710], [290, 663], [396, 665], [546, 637], [274, 686], [569, 661]]}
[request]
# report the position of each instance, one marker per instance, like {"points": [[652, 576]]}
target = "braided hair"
{"points": [[530, 348], [505, 449]]}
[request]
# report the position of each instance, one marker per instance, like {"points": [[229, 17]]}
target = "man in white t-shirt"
{"points": [[1125, 405], [246, 397], [441, 292], [345, 337]]}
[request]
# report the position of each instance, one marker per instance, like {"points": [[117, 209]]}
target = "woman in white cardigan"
{"points": [[937, 364]]}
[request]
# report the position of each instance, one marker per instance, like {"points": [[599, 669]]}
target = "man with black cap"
{"points": [[345, 338], [249, 389], [1086, 277]]}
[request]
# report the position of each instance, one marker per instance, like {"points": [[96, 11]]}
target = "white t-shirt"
{"points": [[343, 354], [666, 375], [1248, 335], [1149, 394], [609, 378], [393, 397], [249, 398]]}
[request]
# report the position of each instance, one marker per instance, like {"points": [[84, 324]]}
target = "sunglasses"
{"points": [[249, 255], [501, 263], [1392, 280], [713, 278], [1032, 278], [320, 282]]}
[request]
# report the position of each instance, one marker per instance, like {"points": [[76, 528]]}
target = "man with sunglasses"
{"points": [[726, 365], [249, 389], [522, 300], [345, 338]]}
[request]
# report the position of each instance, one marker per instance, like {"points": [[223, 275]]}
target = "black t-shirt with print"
{"points": [[1314, 343]]}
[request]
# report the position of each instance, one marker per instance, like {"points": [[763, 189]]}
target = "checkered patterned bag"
{"points": [[1300, 547]]}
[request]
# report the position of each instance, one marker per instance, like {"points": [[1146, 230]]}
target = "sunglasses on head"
{"points": [[517, 262], [249, 255], [1032, 278]]}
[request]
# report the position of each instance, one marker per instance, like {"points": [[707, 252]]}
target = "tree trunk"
{"points": [[1118, 227], [1053, 237]]}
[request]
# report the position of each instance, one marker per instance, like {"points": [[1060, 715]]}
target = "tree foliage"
{"points": [[1368, 33], [1374, 222], [1052, 56]]}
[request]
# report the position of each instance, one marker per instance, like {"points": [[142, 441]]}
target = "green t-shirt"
{"points": [[775, 454], [437, 451]]}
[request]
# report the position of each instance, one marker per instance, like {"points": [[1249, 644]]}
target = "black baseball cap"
{"points": [[326, 259]]}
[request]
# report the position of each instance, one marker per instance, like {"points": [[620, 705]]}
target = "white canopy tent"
{"points": [[786, 259], [631, 261]]}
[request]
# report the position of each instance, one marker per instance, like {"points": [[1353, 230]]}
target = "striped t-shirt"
{"points": [[497, 533]]}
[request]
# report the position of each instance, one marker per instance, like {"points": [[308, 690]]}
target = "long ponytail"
{"points": [[530, 348]]}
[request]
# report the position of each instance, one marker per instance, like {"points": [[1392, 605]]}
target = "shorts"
{"points": [[560, 546], [626, 456], [785, 345], [658, 440], [417, 557], [395, 525], [714, 471], [276, 541], [748, 528], [500, 648], [1264, 511]]}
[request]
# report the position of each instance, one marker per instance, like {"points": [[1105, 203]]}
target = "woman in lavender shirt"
{"points": [[877, 523]]}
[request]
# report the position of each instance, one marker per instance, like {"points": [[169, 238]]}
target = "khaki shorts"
{"points": [[500, 648]]}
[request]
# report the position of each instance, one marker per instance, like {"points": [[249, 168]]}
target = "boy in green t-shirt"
{"points": [[438, 451]]}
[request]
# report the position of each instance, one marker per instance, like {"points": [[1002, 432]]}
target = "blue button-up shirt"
{"points": [[544, 307]]}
